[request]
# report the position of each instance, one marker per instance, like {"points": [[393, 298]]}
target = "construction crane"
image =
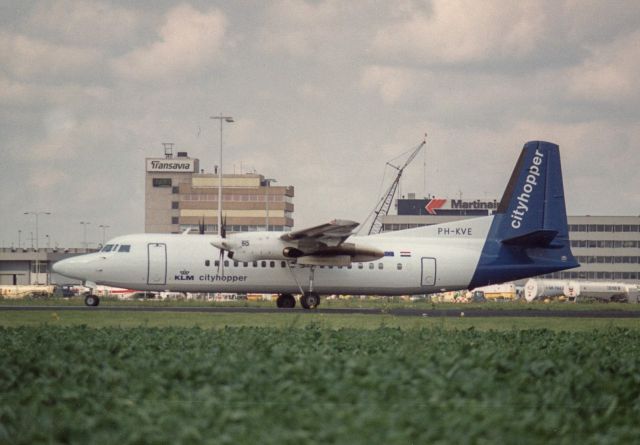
{"points": [[383, 206]]}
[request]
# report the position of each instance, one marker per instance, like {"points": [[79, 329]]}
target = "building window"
{"points": [[175, 204], [174, 220], [175, 190], [162, 182]]}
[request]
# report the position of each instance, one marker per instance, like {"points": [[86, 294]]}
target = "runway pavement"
{"points": [[402, 312]]}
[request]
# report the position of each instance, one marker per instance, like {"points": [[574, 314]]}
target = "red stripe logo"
{"points": [[434, 205]]}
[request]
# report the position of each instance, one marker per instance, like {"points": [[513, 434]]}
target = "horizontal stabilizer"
{"points": [[537, 238]]}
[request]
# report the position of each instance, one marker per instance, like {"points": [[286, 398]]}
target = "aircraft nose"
{"points": [[60, 267], [67, 267]]}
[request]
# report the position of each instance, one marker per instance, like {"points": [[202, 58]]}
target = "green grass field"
{"points": [[100, 319], [306, 377], [388, 302], [309, 384]]}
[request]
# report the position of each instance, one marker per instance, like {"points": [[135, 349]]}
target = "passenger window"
{"points": [[283, 264], [272, 264], [360, 265], [255, 264], [226, 263], [235, 264], [349, 266], [263, 264], [125, 248], [399, 266], [216, 263], [371, 266], [380, 266], [245, 264], [207, 263]]}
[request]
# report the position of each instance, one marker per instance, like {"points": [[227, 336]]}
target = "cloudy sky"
{"points": [[323, 94]]}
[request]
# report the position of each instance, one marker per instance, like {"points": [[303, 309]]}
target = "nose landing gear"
{"points": [[91, 300]]}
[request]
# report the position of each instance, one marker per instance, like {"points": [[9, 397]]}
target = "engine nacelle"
{"points": [[256, 246]]}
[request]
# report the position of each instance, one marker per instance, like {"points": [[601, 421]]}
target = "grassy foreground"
{"points": [[384, 303], [100, 319], [299, 385]]}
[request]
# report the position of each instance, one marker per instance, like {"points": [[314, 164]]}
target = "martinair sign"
{"points": [[441, 206], [171, 165]]}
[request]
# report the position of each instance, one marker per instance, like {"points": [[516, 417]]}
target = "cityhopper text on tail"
{"points": [[527, 236]]}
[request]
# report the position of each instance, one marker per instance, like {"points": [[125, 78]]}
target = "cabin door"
{"points": [[157, 269], [428, 271]]}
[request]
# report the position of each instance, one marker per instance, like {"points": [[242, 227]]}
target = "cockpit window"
{"points": [[107, 248], [125, 248]]}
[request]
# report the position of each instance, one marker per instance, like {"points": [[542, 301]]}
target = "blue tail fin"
{"points": [[529, 235]]}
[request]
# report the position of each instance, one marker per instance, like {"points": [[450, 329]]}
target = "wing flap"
{"points": [[332, 233]]}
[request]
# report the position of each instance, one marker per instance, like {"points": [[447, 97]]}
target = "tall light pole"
{"points": [[37, 214], [84, 234], [268, 182], [104, 228], [222, 119], [19, 239]]}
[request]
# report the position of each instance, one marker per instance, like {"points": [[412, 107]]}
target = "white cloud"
{"points": [[300, 28], [84, 22], [610, 73], [188, 41], [390, 82], [46, 179], [26, 58], [459, 31]]}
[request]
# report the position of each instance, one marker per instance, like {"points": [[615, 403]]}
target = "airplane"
{"points": [[526, 236]]}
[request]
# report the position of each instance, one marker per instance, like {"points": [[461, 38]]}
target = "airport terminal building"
{"points": [[179, 196], [607, 247]]}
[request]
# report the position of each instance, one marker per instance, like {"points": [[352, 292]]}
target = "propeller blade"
{"points": [[223, 229]]}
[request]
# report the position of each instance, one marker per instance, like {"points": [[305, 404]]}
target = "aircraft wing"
{"points": [[330, 234]]}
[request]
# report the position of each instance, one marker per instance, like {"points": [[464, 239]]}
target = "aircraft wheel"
{"points": [[310, 300], [91, 300], [286, 301]]}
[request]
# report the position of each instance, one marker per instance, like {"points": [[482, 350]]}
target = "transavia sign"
{"points": [[442, 206], [171, 165]]}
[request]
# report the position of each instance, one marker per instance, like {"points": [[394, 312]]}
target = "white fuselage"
{"points": [[421, 260]]}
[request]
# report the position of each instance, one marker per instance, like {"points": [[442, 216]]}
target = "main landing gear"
{"points": [[91, 300], [286, 301], [308, 300]]}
